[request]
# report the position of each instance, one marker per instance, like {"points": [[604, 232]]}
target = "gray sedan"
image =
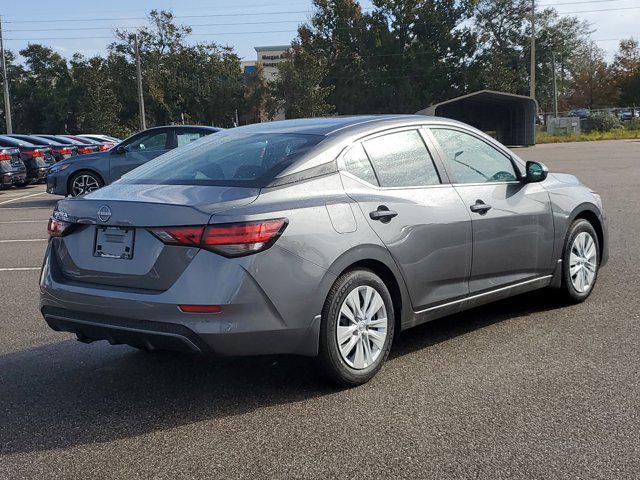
{"points": [[85, 173], [319, 237]]}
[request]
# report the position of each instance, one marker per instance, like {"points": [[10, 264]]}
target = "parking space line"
{"points": [[18, 269], [21, 198], [24, 221], [25, 240]]}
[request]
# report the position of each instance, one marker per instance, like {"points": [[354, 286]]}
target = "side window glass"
{"points": [[184, 138], [472, 160], [402, 160], [154, 141], [358, 164]]}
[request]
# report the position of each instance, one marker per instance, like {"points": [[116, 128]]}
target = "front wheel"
{"points": [[580, 261], [84, 182], [357, 328]]}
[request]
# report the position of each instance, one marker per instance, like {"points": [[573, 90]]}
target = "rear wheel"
{"points": [[580, 261], [357, 328], [84, 182]]}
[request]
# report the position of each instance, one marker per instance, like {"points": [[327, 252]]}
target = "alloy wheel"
{"points": [[84, 183], [583, 262], [361, 329]]}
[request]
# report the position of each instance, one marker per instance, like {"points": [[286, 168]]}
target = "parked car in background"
{"points": [[36, 158], [581, 113], [627, 114], [321, 237], [101, 138], [90, 172], [59, 151], [12, 169], [103, 145], [97, 146], [82, 147]]}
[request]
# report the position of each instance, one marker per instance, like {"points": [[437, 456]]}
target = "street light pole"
{"points": [[5, 83], [532, 84], [143, 121], [555, 87]]}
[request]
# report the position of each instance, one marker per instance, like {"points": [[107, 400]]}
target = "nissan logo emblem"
{"points": [[104, 213]]}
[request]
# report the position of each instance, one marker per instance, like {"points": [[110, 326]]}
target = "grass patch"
{"points": [[618, 134]]}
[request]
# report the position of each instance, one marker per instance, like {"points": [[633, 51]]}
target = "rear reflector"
{"points": [[227, 239], [58, 228], [200, 308]]}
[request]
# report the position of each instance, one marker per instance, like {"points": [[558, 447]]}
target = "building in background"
{"points": [[268, 57]]}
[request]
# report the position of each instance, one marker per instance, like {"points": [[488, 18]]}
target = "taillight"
{"points": [[5, 156], [64, 151], [105, 146], [227, 239], [84, 150], [36, 153], [57, 227]]}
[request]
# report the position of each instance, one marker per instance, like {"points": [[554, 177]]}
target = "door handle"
{"points": [[383, 214], [480, 207]]}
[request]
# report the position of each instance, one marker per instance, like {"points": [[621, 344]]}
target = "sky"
{"points": [[242, 24]]}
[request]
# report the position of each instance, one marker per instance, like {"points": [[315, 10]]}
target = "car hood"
{"points": [[83, 158]]}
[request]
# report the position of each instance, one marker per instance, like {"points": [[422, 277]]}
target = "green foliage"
{"points": [[601, 122], [632, 125]]}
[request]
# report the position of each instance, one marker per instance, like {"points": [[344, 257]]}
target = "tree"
{"points": [[626, 73], [591, 85]]}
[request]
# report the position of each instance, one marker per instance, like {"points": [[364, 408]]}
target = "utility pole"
{"points": [[532, 84], [143, 121], [555, 89], [5, 83]]}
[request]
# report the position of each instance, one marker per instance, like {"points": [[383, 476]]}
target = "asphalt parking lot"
{"points": [[524, 388]]}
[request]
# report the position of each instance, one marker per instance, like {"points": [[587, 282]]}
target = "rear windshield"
{"points": [[225, 158]]}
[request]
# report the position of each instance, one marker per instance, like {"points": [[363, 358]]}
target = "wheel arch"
{"points": [[379, 261], [591, 214]]}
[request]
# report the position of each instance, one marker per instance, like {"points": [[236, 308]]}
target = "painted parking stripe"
{"points": [[25, 240], [24, 221], [19, 269], [21, 198]]}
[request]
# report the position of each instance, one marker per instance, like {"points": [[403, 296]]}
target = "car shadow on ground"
{"points": [[67, 393]]}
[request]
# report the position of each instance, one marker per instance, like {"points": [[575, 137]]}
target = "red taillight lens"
{"points": [[105, 147], [57, 228], [227, 239], [187, 236], [5, 156], [84, 150], [237, 239], [64, 151], [37, 153]]}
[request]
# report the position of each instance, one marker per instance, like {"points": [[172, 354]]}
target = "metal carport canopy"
{"points": [[509, 117]]}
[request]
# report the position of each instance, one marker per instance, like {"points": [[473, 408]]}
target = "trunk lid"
{"points": [[116, 217]]}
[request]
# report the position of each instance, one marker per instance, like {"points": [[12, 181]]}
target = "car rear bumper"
{"points": [[249, 322], [11, 178]]}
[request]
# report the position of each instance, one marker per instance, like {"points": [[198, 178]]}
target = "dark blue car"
{"points": [[85, 173]]}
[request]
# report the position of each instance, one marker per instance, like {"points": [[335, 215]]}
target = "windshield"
{"points": [[226, 158]]}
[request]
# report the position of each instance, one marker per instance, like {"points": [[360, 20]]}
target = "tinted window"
{"points": [[401, 160], [226, 158], [151, 141], [184, 138], [472, 160], [357, 163]]}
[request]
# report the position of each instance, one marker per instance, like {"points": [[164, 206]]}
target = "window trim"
{"points": [[420, 128], [446, 162]]}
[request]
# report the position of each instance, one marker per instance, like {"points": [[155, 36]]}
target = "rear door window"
{"points": [[149, 142], [401, 159], [186, 137], [357, 163]]}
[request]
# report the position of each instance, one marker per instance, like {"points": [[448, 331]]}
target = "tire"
{"points": [[583, 250], [367, 329], [23, 184], [84, 182]]}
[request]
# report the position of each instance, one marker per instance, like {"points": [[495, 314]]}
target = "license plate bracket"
{"points": [[114, 242]]}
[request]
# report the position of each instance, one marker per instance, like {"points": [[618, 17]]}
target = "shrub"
{"points": [[633, 124], [601, 122]]}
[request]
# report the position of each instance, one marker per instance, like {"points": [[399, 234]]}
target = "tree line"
{"points": [[398, 57]]}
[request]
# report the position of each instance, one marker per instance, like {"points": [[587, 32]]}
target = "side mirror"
{"points": [[120, 150], [536, 172]]}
